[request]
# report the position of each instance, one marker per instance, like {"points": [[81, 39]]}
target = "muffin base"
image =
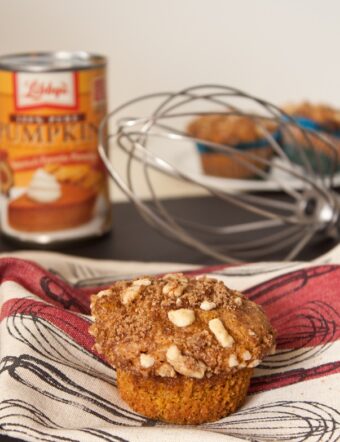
{"points": [[184, 400], [226, 166]]}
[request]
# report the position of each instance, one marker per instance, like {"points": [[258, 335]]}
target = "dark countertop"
{"points": [[132, 239]]}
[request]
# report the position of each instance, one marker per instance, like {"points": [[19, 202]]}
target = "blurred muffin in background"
{"points": [[323, 122], [241, 133]]}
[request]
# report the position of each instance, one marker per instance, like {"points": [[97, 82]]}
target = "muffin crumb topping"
{"points": [[229, 129], [179, 325], [327, 116]]}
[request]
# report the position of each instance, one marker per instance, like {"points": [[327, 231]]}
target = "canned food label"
{"points": [[53, 183], [52, 90]]}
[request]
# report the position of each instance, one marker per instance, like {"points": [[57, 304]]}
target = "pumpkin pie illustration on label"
{"points": [[50, 205]]}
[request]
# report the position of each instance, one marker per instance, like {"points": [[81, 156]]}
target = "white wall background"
{"points": [[280, 50]]}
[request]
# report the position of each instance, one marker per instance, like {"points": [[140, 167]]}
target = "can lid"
{"points": [[51, 61]]}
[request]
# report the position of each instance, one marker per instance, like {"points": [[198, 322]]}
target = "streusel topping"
{"points": [[229, 129], [179, 325], [323, 114]]}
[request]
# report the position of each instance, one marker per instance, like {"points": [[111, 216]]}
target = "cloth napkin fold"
{"points": [[54, 387]]}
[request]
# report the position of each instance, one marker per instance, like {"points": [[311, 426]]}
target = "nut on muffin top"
{"points": [[179, 325]]}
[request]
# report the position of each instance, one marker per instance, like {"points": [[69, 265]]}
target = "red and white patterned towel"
{"points": [[54, 387]]}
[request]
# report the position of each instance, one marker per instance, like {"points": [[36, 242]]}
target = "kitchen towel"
{"points": [[55, 387]]}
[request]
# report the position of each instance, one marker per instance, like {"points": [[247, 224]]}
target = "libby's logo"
{"points": [[38, 91], [54, 90]]}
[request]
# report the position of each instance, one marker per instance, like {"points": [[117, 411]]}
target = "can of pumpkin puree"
{"points": [[54, 187]]}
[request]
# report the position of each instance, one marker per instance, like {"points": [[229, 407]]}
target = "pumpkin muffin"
{"points": [[184, 348], [239, 132], [322, 120]]}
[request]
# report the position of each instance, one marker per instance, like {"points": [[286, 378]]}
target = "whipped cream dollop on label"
{"points": [[44, 187]]}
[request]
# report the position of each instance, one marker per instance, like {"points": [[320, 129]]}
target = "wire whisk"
{"points": [[309, 205]]}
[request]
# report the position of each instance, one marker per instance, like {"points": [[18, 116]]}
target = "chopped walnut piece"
{"points": [[220, 333], [173, 288], [166, 371], [146, 361], [198, 277], [102, 293], [238, 301], [185, 365], [177, 277], [233, 362], [207, 305], [98, 348], [129, 294], [246, 355], [254, 363], [168, 287], [181, 317], [140, 282], [178, 290], [172, 275]]}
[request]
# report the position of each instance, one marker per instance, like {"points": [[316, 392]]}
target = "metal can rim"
{"points": [[86, 60]]}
